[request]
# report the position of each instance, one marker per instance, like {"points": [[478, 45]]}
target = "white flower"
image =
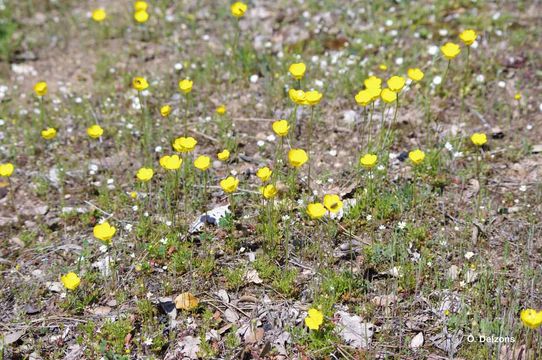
{"points": [[449, 147], [469, 255], [432, 50], [369, 217], [148, 341], [254, 78], [382, 227], [437, 80], [480, 78], [128, 227], [401, 225], [103, 248], [523, 188]]}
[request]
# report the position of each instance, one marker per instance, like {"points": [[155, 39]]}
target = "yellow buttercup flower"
{"points": [[269, 191], [6, 169], [333, 203], [133, 195], [417, 156], [314, 319], [104, 232], [364, 97], [49, 133], [202, 162], [229, 184], [388, 96], [184, 144], [140, 83], [221, 110], [383, 67], [478, 139], [375, 92], [40, 88], [185, 85], [396, 83], [316, 210], [297, 70], [373, 82], [297, 157], [140, 6], [312, 97], [297, 96], [165, 110], [172, 162], [531, 318], [517, 96], [415, 74], [145, 174], [281, 127], [368, 161], [224, 155], [468, 37], [95, 131], [141, 16], [70, 281], [99, 15], [450, 50], [264, 173], [238, 9]]}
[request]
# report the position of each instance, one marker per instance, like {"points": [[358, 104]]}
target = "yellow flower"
{"points": [[375, 92], [314, 319], [99, 15], [468, 37], [364, 97], [383, 67], [368, 161], [269, 191], [133, 194], [6, 169], [478, 139], [202, 162], [145, 174], [316, 210], [140, 83], [297, 70], [450, 50], [281, 127], [531, 318], [297, 157], [221, 110], [415, 74], [224, 155], [184, 144], [417, 156], [238, 9], [141, 16], [264, 173], [333, 203], [104, 232], [165, 110], [172, 162], [140, 6], [372, 82], [229, 184], [95, 131], [70, 281], [313, 97], [40, 88], [297, 96], [517, 96], [186, 85], [388, 96], [396, 83], [48, 133]]}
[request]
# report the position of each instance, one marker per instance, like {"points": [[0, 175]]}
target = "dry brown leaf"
{"points": [[186, 301]]}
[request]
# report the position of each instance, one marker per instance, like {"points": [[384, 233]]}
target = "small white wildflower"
{"points": [[469, 255], [380, 167], [401, 225], [134, 208], [399, 61], [158, 149], [260, 143], [369, 217], [382, 227], [148, 341], [523, 188], [103, 248], [271, 138], [128, 227], [480, 78], [437, 80], [501, 84], [254, 78], [432, 50]]}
